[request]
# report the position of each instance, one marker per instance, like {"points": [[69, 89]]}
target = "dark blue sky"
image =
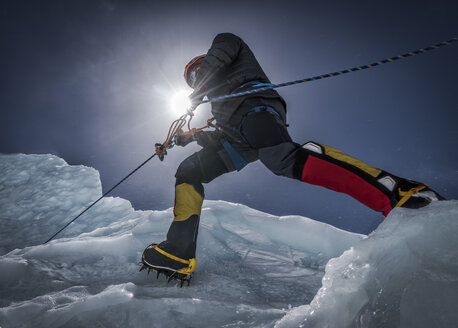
{"points": [[89, 81]]}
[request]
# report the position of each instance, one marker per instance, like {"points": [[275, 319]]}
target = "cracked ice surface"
{"points": [[254, 269], [252, 266], [405, 274]]}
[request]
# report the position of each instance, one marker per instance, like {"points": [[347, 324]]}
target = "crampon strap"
{"points": [[407, 194], [192, 263]]}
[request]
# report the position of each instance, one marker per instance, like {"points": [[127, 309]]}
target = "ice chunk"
{"points": [[405, 274], [254, 269], [251, 265]]}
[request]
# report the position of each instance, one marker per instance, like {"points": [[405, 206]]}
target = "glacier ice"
{"points": [[255, 269], [405, 274]]}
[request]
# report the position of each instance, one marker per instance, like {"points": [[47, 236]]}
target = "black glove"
{"points": [[208, 139], [182, 139]]}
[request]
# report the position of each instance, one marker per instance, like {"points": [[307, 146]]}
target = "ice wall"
{"points": [[405, 274], [252, 266], [254, 269]]}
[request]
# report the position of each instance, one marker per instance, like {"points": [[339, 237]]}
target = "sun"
{"points": [[179, 102]]}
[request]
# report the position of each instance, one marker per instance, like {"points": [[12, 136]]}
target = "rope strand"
{"points": [[106, 193], [324, 76], [179, 123]]}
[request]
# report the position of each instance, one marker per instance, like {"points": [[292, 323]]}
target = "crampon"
{"points": [[170, 275], [182, 275]]}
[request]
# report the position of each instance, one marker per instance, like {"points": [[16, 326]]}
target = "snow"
{"points": [[254, 269]]}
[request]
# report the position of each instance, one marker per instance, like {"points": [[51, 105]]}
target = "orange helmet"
{"points": [[191, 69]]}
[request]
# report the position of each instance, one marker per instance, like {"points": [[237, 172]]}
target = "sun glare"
{"points": [[180, 102]]}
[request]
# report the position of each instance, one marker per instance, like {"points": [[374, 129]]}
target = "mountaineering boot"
{"points": [[412, 194], [156, 259], [379, 190], [176, 256]]}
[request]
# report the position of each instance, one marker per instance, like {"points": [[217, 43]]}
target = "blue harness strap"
{"points": [[238, 161], [260, 109]]}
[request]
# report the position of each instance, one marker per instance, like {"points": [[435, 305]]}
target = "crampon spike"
{"points": [[171, 277], [169, 274]]}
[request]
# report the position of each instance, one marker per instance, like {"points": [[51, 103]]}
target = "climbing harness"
{"points": [[177, 125], [263, 109]]}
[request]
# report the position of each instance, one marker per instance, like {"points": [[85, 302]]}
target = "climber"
{"points": [[251, 128]]}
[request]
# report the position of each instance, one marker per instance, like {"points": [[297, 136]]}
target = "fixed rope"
{"points": [[87, 208], [328, 75], [175, 128]]}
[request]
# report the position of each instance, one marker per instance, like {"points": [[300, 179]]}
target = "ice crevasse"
{"points": [[255, 269]]}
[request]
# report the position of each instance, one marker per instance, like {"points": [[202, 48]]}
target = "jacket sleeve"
{"points": [[223, 51]]}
